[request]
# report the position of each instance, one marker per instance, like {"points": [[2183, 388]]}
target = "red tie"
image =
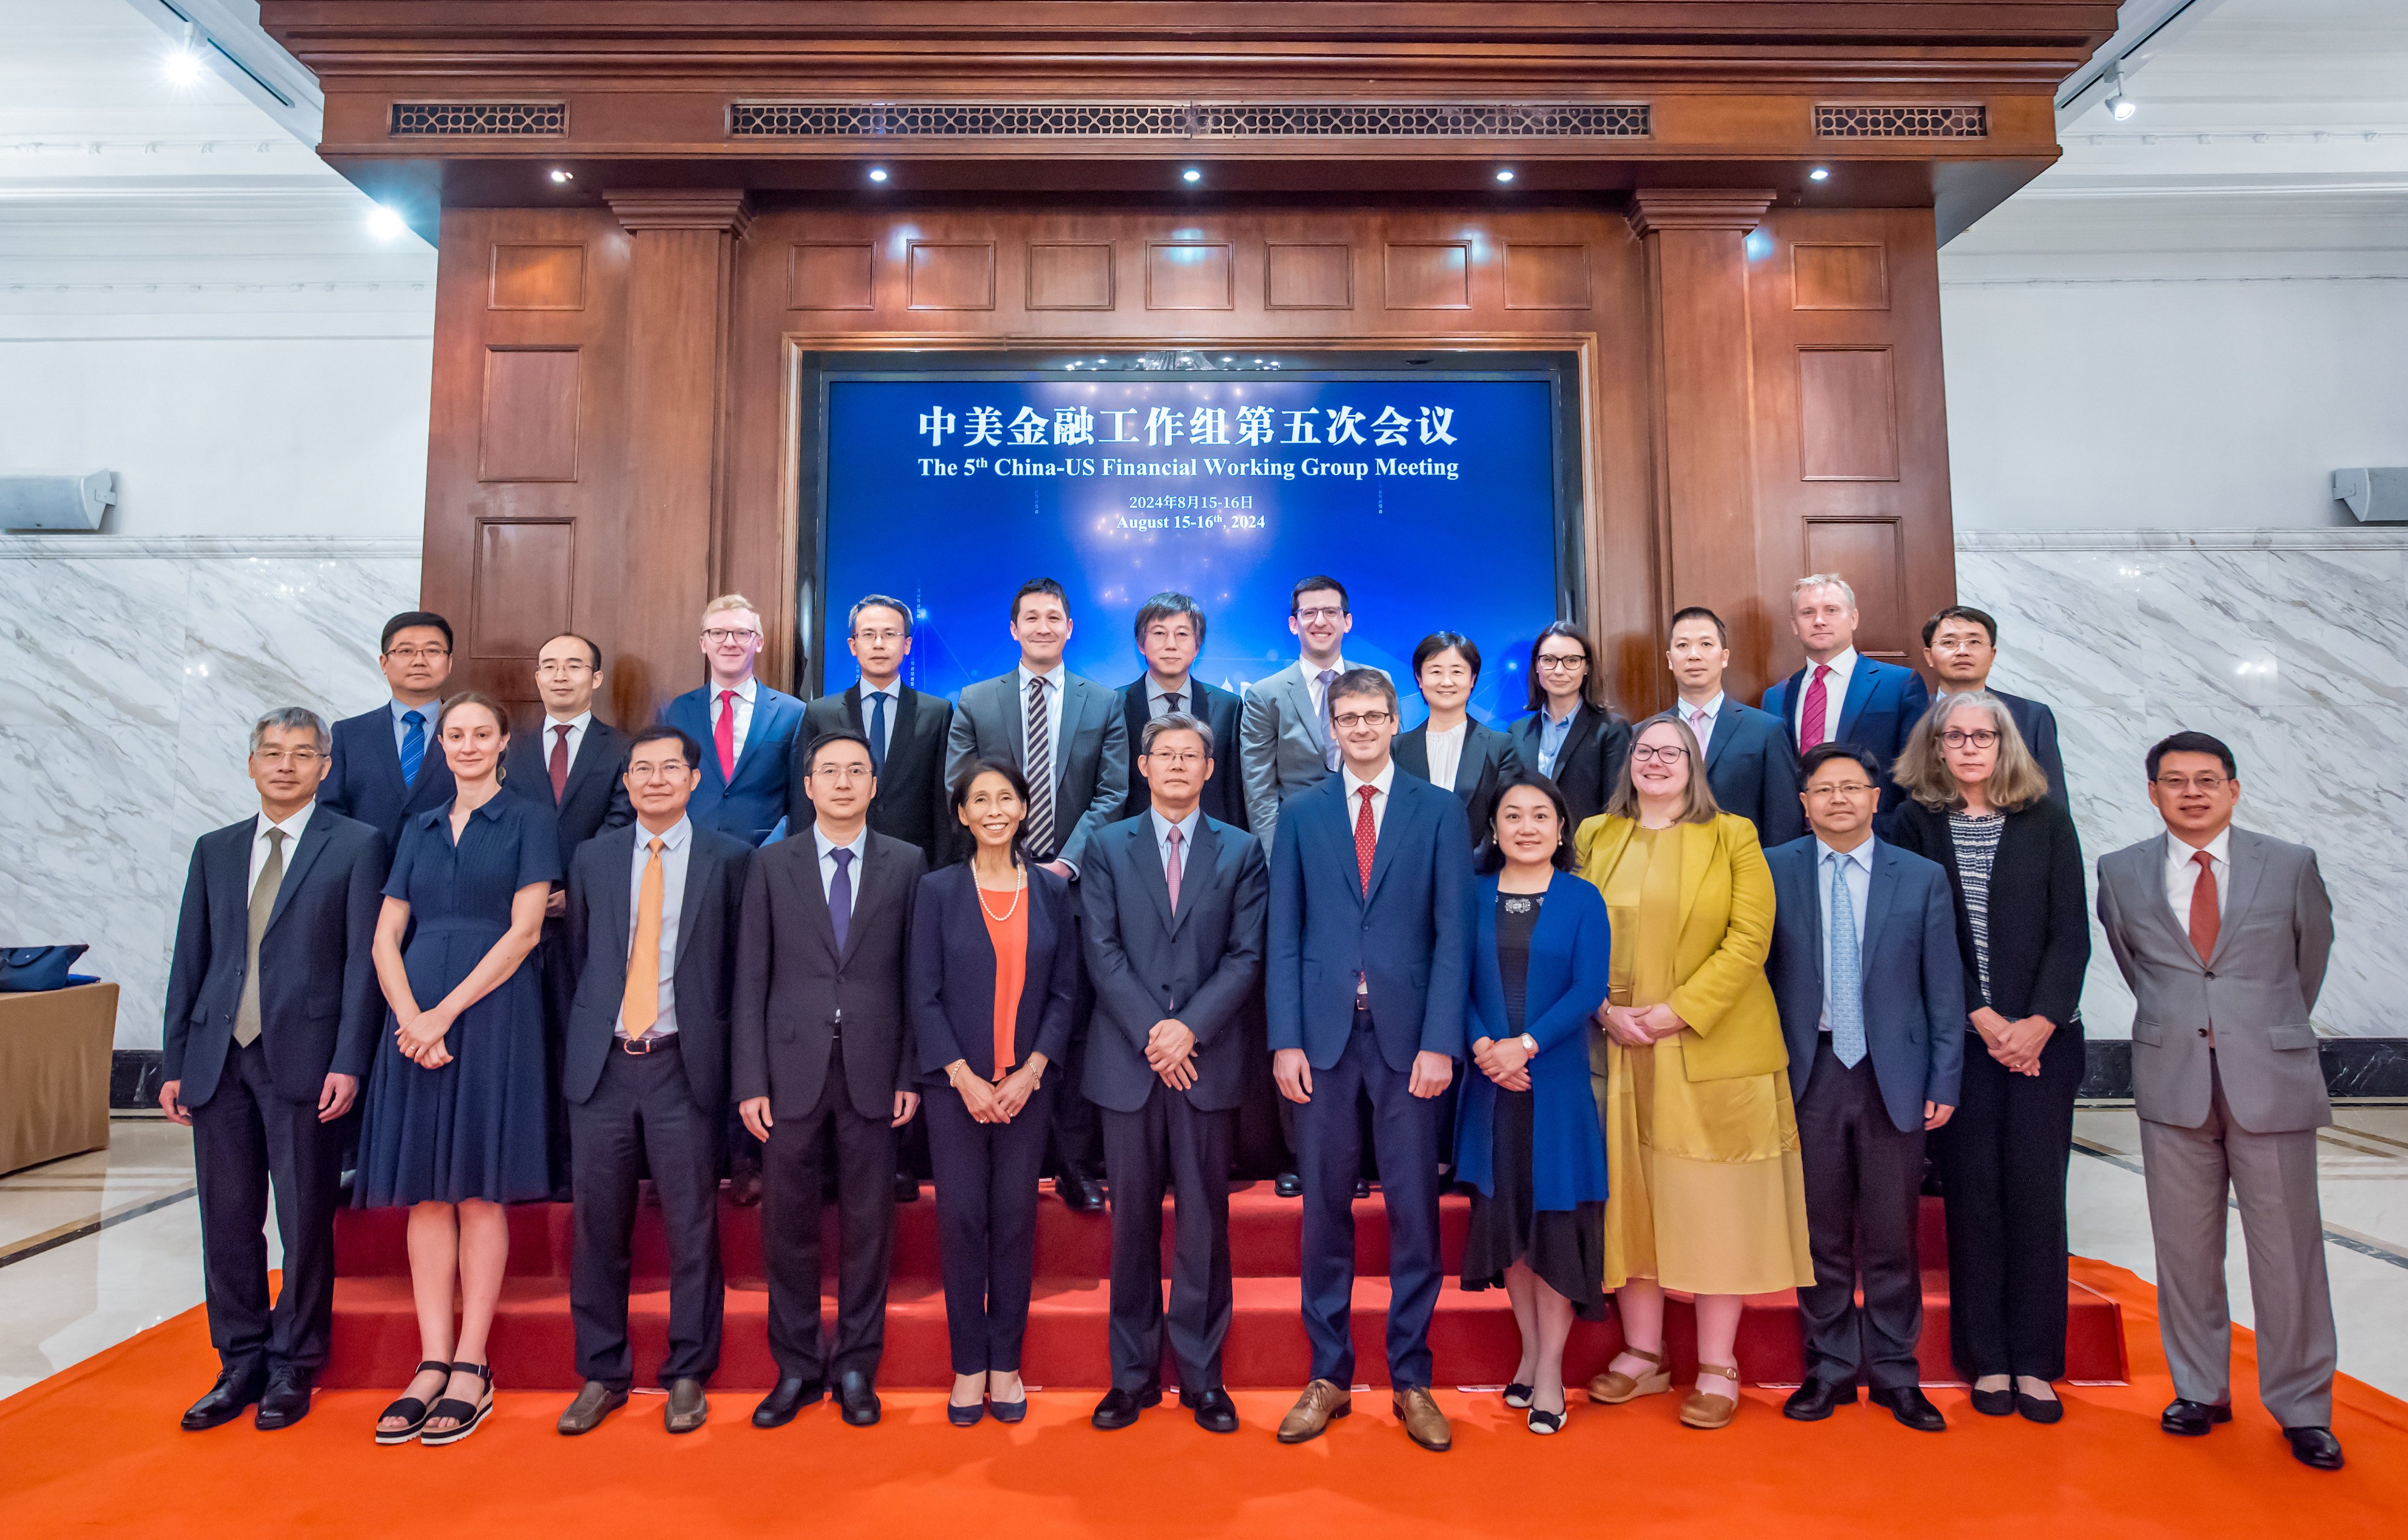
{"points": [[1367, 837], [724, 735], [559, 760], [2204, 920], [1818, 709]]}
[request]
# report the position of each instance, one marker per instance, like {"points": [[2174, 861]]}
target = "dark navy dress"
{"points": [[474, 1127]]}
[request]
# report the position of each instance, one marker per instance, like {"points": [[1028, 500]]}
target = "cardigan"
{"points": [[2039, 912]]}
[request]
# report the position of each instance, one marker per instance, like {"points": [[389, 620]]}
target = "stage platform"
{"points": [[1473, 1338]]}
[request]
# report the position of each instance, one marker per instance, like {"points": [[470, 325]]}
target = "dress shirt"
{"points": [[870, 694], [2182, 874], [1553, 731], [431, 710], [1378, 784], [675, 847], [1054, 678], [1700, 720], [1857, 867], [1843, 668], [743, 712], [577, 726], [1312, 679], [291, 827], [1159, 700], [859, 844], [1445, 750], [1186, 827]]}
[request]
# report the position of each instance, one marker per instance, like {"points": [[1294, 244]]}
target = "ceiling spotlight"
{"points": [[1820, 174], [383, 223], [2119, 106], [878, 173], [183, 63], [564, 175], [1191, 176], [1506, 175]]}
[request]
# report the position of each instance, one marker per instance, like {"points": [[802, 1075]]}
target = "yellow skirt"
{"points": [[1706, 1193]]}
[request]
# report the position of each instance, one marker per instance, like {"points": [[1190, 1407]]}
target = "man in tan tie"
{"points": [[273, 1012], [2224, 936]]}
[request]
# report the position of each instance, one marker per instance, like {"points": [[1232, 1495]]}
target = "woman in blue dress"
{"points": [[455, 1122]]}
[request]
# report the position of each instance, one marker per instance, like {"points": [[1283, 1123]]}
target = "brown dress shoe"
{"points": [[1424, 1424], [688, 1408], [1614, 1389], [1700, 1410], [1323, 1402], [594, 1403]]}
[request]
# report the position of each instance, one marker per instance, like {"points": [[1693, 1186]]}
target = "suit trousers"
{"points": [[247, 1139], [792, 1202], [1076, 1135], [1171, 1144], [1404, 1130], [2003, 1162], [642, 1113], [2272, 1178], [1864, 1184], [557, 974], [987, 1223]]}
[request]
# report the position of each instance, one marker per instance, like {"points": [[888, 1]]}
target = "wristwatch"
{"points": [[1530, 1045]]}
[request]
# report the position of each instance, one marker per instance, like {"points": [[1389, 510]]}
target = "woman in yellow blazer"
{"points": [[1705, 1195]]}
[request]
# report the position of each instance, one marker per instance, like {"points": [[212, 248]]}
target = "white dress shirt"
{"points": [[870, 694], [1312, 679], [291, 827], [1445, 750], [2182, 874], [577, 726], [859, 844], [676, 845], [1186, 827], [743, 712], [1843, 668], [1700, 720], [1379, 785], [1856, 867]]}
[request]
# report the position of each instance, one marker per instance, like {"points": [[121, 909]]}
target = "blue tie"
{"points": [[413, 745], [878, 733], [841, 898], [1846, 1007]]}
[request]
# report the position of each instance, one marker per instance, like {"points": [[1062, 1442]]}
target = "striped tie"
{"points": [[1847, 970], [413, 745], [1038, 765]]}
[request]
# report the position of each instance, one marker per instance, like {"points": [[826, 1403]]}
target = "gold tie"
{"points": [[262, 904], [641, 1005]]}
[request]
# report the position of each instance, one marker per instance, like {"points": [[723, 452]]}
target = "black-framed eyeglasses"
{"points": [[1979, 737]]}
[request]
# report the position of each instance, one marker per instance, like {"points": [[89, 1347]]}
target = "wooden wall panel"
{"points": [[529, 431], [1309, 275], [1872, 554], [950, 275], [526, 586], [1070, 275], [1839, 275], [1847, 415], [1190, 276], [830, 275], [530, 277], [1546, 278], [1428, 275]]}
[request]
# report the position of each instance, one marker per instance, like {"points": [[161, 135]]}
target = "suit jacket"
{"points": [[1280, 748], [914, 800], [599, 921], [1409, 939], [952, 983], [2038, 724], [2254, 991], [752, 802], [1091, 763], [1488, 762], [1198, 966], [1884, 703], [1224, 792], [364, 778], [1752, 765], [1571, 973], [595, 797], [796, 993], [2039, 923], [1909, 973], [319, 1007], [1726, 932], [1590, 760]]}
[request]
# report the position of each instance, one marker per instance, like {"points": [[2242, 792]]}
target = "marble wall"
{"points": [[2289, 645], [131, 670]]}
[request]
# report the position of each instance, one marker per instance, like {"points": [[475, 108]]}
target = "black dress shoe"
{"points": [[779, 1406], [2034, 1408], [1215, 1413], [1817, 1399], [858, 1401], [2192, 1419], [2314, 1447], [1995, 1403], [1119, 1407], [1078, 1186], [1912, 1407], [236, 1389], [906, 1188], [285, 1402], [1289, 1185]]}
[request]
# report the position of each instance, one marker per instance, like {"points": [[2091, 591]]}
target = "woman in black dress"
{"points": [[1528, 1139], [454, 1121]]}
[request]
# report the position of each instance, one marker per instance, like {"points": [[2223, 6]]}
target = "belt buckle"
{"points": [[638, 1047]]}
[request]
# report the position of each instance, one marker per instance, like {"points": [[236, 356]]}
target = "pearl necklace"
{"points": [[1019, 881]]}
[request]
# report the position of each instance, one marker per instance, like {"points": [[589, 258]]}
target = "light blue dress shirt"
{"points": [[676, 845], [1161, 827], [1858, 866]]}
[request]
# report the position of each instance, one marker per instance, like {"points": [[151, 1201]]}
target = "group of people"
{"points": [[1683, 1004]]}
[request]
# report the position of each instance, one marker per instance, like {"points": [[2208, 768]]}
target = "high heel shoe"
{"points": [[410, 1408], [1700, 1410], [465, 1415], [1613, 1388]]}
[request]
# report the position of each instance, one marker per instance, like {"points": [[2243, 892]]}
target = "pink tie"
{"points": [[1817, 710], [1170, 869]]}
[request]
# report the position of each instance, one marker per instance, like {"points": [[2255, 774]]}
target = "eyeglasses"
{"points": [[1349, 721], [1655, 753], [413, 654], [1175, 759], [1979, 737], [889, 636], [1554, 665], [721, 635], [565, 665], [2179, 784], [300, 758], [660, 770], [1845, 789], [1320, 612], [836, 774]]}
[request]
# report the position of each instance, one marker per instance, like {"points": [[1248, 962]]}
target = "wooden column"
{"points": [[680, 290], [1699, 364]]}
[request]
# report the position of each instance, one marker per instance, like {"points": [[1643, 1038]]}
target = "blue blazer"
{"points": [[952, 982], [753, 802], [1884, 703], [1571, 972], [1752, 765], [1410, 939], [2038, 724], [1914, 982], [364, 778]]}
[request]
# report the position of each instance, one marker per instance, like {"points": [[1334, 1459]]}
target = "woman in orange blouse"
{"points": [[995, 962]]}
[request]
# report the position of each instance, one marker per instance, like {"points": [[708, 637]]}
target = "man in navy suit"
{"points": [[1749, 761], [1865, 968], [1175, 903], [1961, 645], [387, 766], [1369, 964], [1840, 696], [273, 1012], [746, 729], [1169, 634]]}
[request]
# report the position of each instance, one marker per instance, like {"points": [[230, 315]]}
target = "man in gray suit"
{"points": [[2223, 936], [1069, 737]]}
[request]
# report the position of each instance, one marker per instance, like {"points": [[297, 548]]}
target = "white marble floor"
{"points": [[134, 1256]]}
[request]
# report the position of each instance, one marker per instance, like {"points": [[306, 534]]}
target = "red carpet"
{"points": [[376, 1336], [97, 1450]]}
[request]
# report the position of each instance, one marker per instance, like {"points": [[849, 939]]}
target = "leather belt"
{"points": [[644, 1048]]}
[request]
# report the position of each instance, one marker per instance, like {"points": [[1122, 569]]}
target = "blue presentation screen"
{"points": [[1431, 498]]}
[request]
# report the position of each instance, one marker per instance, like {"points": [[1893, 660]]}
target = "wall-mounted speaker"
{"points": [[56, 502], [2377, 494]]}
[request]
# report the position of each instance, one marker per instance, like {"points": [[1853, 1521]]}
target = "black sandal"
{"points": [[410, 1408], [465, 1415]]}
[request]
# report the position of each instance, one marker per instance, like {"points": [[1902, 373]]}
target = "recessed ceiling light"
{"points": [[564, 175], [878, 173], [383, 223], [1191, 176], [1820, 174], [1505, 174]]}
